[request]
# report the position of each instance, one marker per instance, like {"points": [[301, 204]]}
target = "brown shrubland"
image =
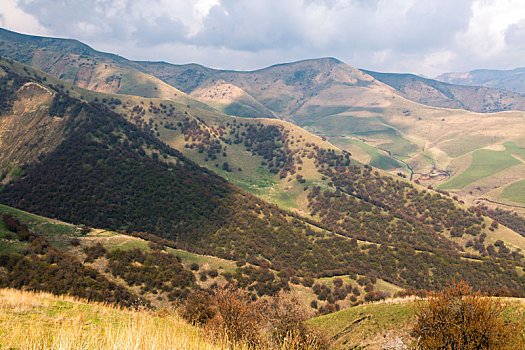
{"points": [[459, 319]]}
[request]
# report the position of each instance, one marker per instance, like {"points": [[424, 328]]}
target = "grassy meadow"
{"points": [[515, 192], [487, 163], [43, 321], [484, 163]]}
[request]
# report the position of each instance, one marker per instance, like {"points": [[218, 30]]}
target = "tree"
{"points": [[459, 319]]}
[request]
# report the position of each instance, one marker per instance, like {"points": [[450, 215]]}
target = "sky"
{"points": [[427, 37]]}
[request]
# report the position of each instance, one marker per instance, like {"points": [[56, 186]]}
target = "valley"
{"points": [[149, 185]]}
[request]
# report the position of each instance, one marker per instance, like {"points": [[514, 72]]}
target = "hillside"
{"points": [[438, 94], [369, 119], [511, 80], [388, 223], [353, 110], [384, 325], [44, 321]]}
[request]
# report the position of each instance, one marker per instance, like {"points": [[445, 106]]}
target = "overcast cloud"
{"points": [[419, 36]]}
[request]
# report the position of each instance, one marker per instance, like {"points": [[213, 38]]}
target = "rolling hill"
{"points": [[113, 174], [353, 110], [80, 65], [511, 80], [369, 119]]}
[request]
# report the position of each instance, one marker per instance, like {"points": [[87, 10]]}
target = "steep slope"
{"points": [[511, 80], [355, 111], [438, 94]]}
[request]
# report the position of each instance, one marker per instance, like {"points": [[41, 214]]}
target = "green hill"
{"points": [[355, 111], [109, 173]]}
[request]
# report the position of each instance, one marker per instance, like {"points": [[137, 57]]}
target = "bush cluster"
{"points": [[458, 318], [267, 323]]}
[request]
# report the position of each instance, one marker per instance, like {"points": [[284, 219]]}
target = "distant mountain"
{"points": [[290, 90], [511, 80], [436, 93], [82, 66]]}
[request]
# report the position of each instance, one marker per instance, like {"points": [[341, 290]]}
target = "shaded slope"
{"points": [[97, 182]]}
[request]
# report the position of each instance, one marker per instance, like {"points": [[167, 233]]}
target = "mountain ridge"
{"points": [[511, 80], [438, 94]]}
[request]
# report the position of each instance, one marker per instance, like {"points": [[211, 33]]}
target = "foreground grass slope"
{"points": [[43, 321]]}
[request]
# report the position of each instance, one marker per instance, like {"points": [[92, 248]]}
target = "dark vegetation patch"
{"points": [[505, 217], [155, 272], [9, 84], [42, 267]]}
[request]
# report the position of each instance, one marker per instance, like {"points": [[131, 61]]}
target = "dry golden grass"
{"points": [[42, 321]]}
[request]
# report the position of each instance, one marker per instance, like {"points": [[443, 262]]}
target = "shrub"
{"points": [[308, 281], [328, 308], [237, 317], [75, 242], [457, 318], [376, 295], [194, 266], [203, 277], [198, 308], [338, 282], [290, 331], [94, 252]]}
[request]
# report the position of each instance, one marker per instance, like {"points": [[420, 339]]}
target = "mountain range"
{"points": [[510, 80], [288, 172]]}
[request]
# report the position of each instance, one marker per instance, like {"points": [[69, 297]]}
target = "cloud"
{"points": [[11, 16], [422, 36]]}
